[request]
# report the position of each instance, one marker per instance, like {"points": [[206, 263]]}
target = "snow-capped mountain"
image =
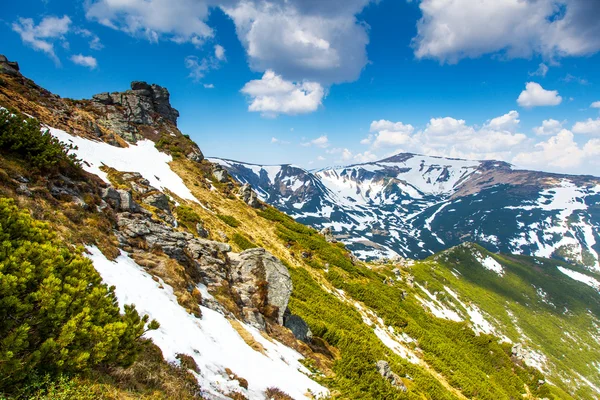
{"points": [[414, 205]]}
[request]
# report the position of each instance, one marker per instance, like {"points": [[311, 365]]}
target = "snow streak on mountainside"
{"points": [[413, 206]]}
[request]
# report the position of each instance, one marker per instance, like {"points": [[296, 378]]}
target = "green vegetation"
{"points": [[229, 220], [187, 217], [57, 316], [242, 242], [477, 366], [24, 139]]}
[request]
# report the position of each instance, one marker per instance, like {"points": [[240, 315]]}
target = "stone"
{"points": [[328, 233], [127, 203], [8, 67], [112, 197], [299, 327], [220, 175], [384, 370], [201, 230], [249, 196], [195, 155], [158, 200], [263, 283]]}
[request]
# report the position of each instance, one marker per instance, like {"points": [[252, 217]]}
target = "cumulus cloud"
{"points": [[272, 95], [178, 20], [588, 127], [451, 137], [535, 95], [85, 61], [315, 40], [595, 104], [321, 141], [548, 127], [457, 29], [93, 39], [41, 37], [561, 153]]}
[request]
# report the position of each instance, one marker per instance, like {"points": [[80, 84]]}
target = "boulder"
{"points": [[263, 284], [220, 174], [328, 233], [195, 155], [299, 327], [249, 196], [127, 203], [8, 67], [158, 200], [384, 370]]}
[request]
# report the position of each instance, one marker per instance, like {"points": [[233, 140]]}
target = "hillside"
{"points": [[413, 206], [253, 304]]}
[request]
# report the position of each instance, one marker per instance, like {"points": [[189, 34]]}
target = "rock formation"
{"points": [[249, 196], [384, 369]]}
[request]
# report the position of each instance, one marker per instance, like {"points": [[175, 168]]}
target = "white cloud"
{"points": [[209, 86], [199, 68], [320, 41], [365, 157], [220, 52], [450, 30], [94, 40], [548, 127], [41, 37], [315, 40], [535, 95], [588, 127], [321, 141], [452, 137], [178, 20], [541, 71], [321, 158], [272, 95], [274, 140], [595, 104], [85, 61], [561, 153]]}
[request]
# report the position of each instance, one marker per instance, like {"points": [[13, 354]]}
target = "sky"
{"points": [[322, 83]]}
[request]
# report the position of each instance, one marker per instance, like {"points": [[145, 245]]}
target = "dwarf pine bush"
{"points": [[56, 316]]}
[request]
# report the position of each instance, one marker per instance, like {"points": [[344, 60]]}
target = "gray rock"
{"points": [[298, 327], [8, 67], [263, 283], [202, 231], [196, 155], [158, 200], [112, 197], [328, 233], [127, 203], [384, 370], [249, 196], [220, 175]]}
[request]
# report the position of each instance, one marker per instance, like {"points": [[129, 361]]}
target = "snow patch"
{"points": [[211, 340]]}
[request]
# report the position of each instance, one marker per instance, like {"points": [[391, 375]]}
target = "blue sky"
{"points": [[338, 82]]}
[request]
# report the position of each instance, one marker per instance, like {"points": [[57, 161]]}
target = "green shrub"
{"points": [[187, 217], [229, 220], [57, 316], [242, 242], [25, 139]]}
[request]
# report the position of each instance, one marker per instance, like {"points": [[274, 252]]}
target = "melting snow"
{"points": [[211, 341], [142, 157], [490, 264], [578, 276]]}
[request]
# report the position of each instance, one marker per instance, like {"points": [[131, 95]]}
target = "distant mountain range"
{"points": [[414, 205]]}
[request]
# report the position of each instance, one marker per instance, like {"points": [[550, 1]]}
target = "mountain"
{"points": [[233, 298], [413, 206]]}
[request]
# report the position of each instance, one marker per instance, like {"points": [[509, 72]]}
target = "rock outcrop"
{"points": [[263, 284], [384, 369], [298, 326], [8, 67], [220, 174], [144, 104], [249, 196], [328, 233]]}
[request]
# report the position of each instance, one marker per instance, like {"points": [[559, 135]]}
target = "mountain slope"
{"points": [[181, 241], [413, 206]]}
